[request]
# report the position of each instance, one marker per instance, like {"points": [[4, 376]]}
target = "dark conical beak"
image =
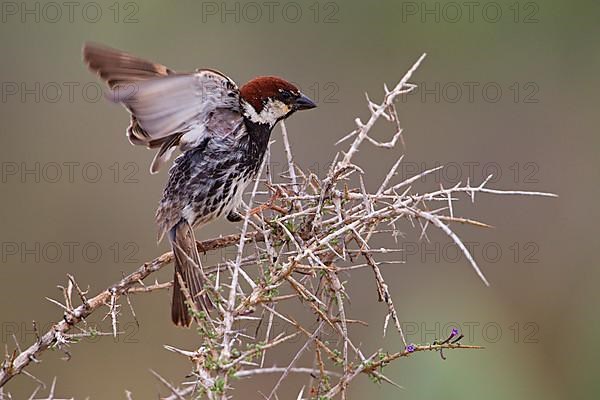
{"points": [[303, 103]]}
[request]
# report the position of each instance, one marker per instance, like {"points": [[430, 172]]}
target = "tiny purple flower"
{"points": [[454, 332], [410, 348]]}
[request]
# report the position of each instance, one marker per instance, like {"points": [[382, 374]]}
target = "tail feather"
{"points": [[187, 265]]}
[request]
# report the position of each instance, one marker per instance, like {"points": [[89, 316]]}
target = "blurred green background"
{"points": [[507, 87]]}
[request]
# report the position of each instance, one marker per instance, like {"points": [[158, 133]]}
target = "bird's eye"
{"points": [[285, 95]]}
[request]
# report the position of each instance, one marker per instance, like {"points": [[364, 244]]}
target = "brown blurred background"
{"points": [[507, 88]]}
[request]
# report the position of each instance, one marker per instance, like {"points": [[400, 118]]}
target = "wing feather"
{"points": [[117, 67], [167, 109], [179, 102]]}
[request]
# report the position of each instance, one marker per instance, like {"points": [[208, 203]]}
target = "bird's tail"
{"points": [[188, 268]]}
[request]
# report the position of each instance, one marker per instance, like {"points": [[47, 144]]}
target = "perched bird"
{"points": [[222, 131]]}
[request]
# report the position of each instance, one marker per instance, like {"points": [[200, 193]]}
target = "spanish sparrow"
{"points": [[222, 132]]}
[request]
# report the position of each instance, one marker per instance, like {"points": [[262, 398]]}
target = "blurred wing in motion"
{"points": [[116, 67], [167, 109]]}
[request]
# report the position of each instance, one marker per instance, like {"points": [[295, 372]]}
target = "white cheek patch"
{"points": [[271, 112]]}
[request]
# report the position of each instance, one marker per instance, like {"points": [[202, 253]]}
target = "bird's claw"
{"points": [[234, 216]]}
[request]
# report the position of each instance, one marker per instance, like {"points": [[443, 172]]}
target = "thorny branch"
{"points": [[57, 335], [309, 231]]}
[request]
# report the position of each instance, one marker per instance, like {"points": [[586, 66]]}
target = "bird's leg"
{"points": [[236, 216], [200, 247], [268, 205]]}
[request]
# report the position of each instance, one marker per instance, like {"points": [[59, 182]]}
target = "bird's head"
{"points": [[269, 99]]}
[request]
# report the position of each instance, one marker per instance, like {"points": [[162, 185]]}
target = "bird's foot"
{"points": [[269, 205], [200, 247], [234, 216]]}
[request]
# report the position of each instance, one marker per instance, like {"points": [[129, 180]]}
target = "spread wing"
{"points": [[168, 109]]}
